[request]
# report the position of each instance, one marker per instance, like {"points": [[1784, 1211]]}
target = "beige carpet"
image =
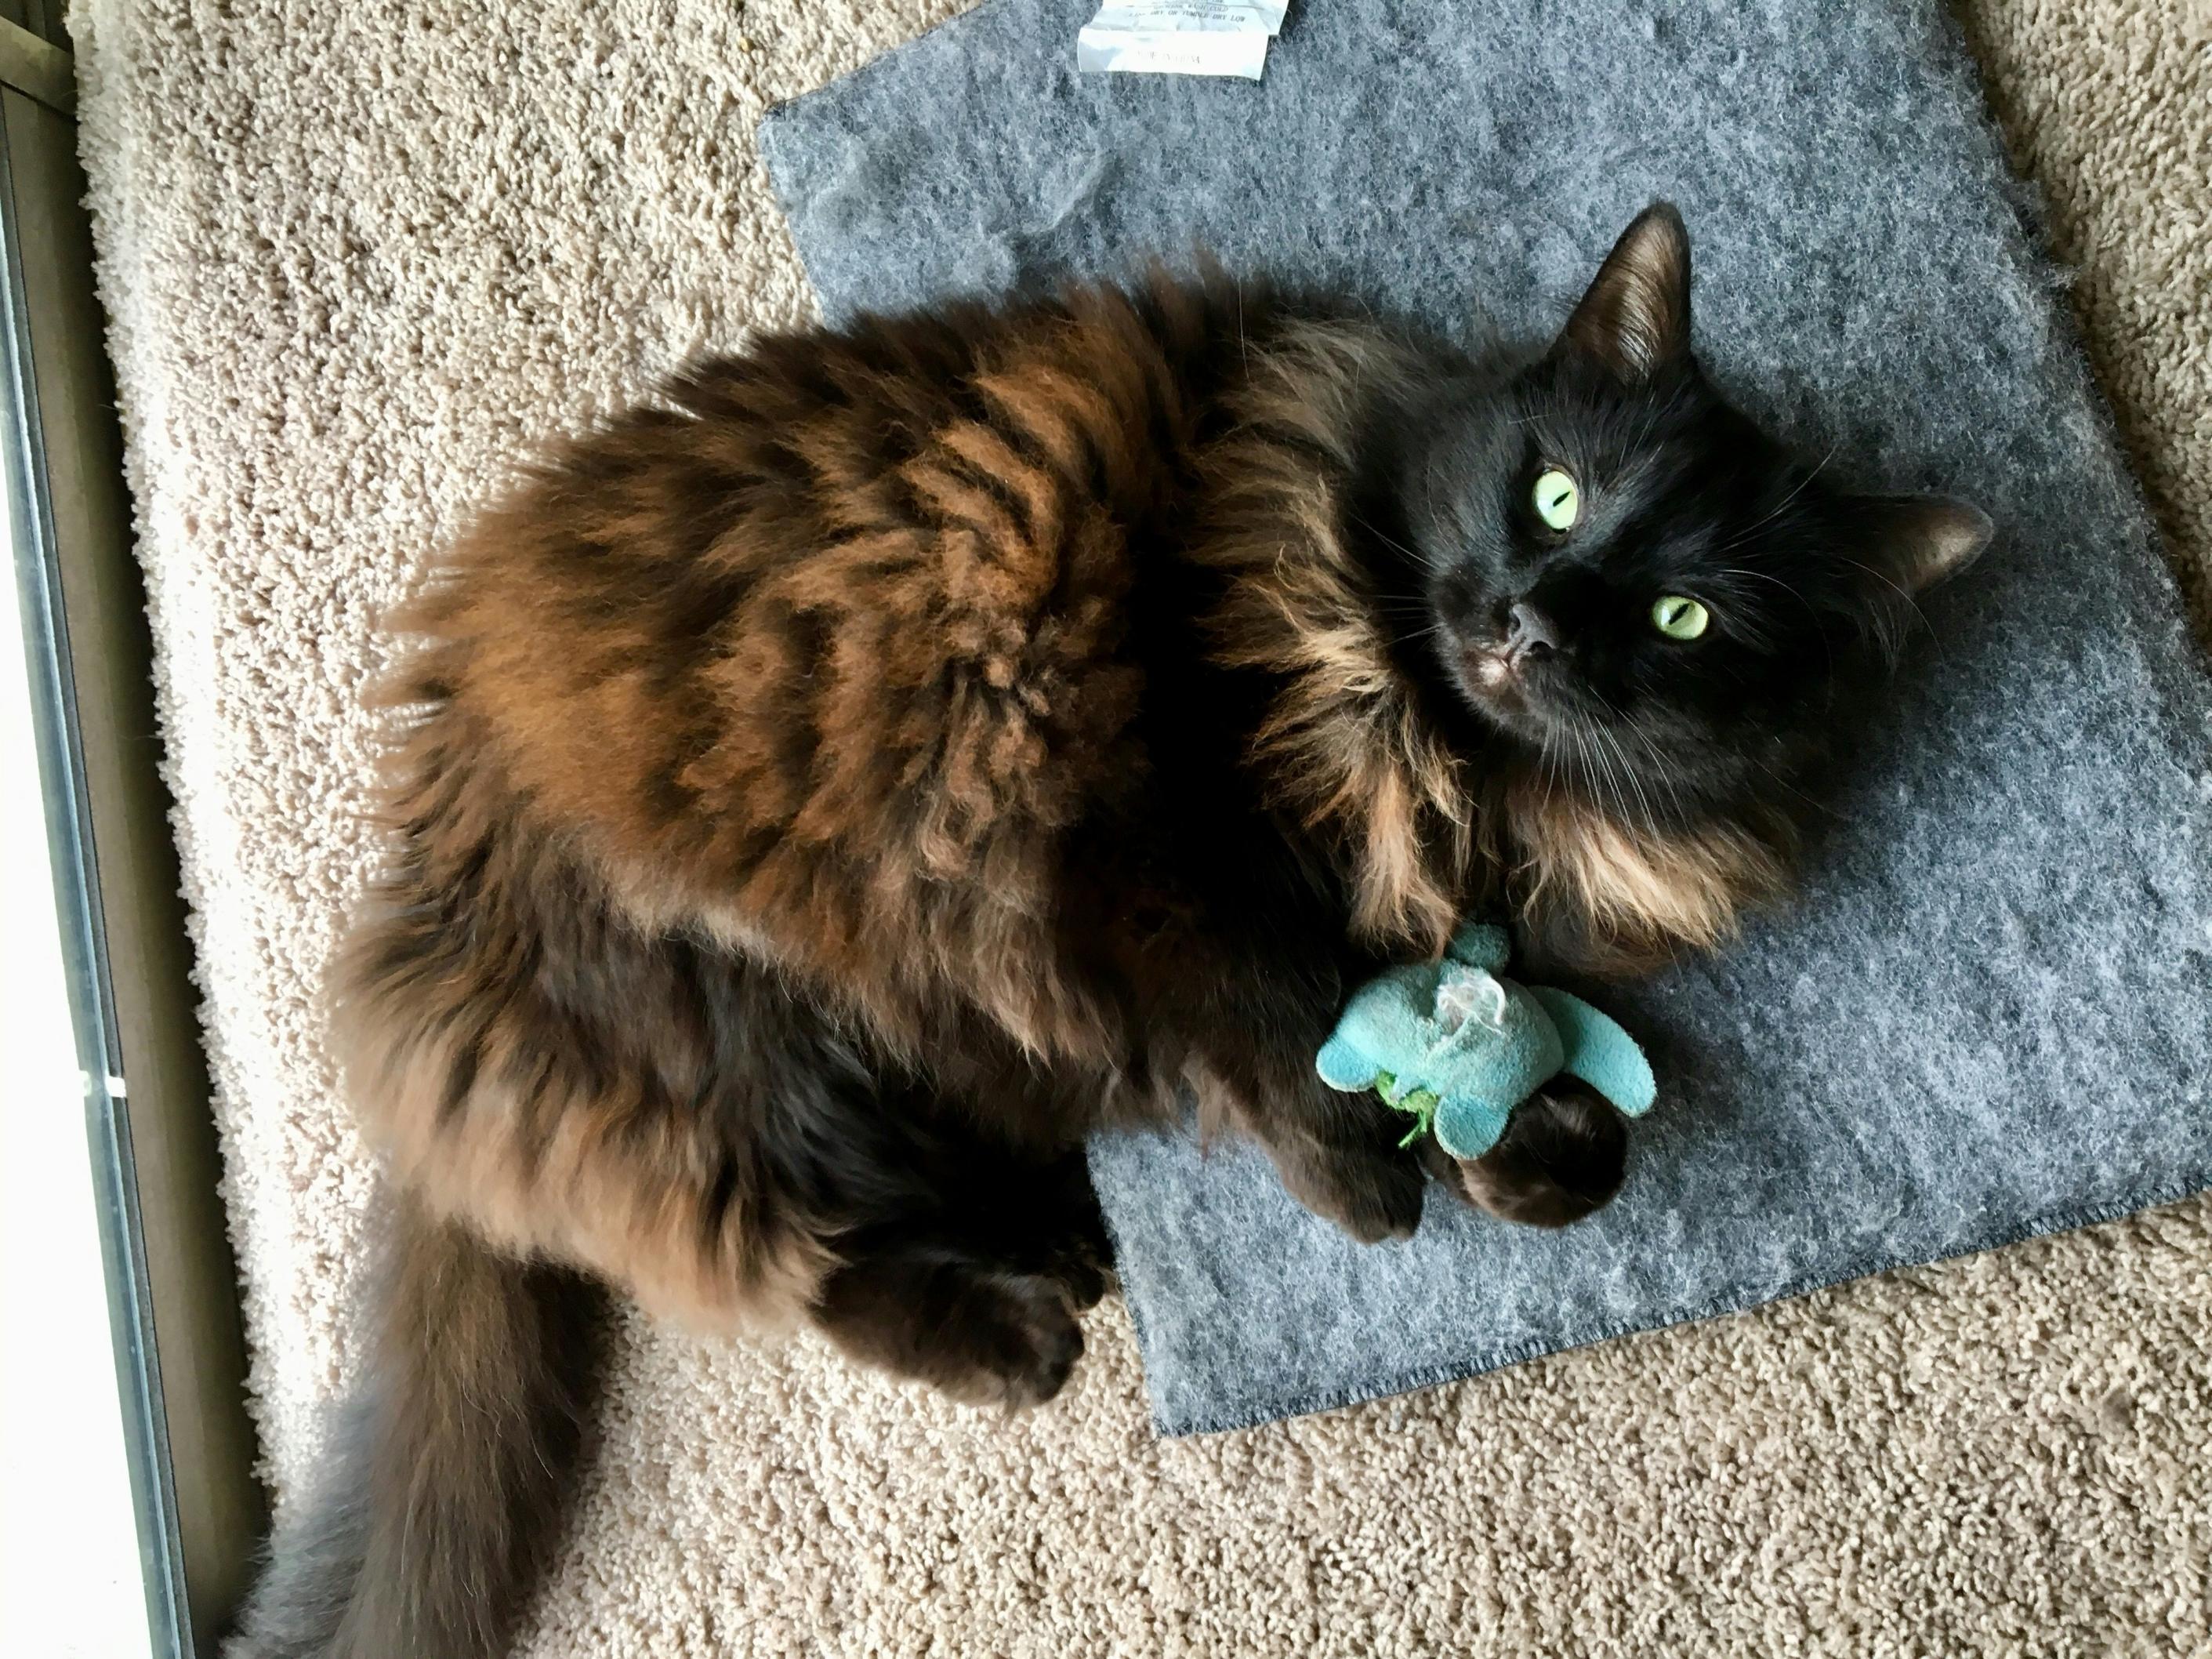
{"points": [[359, 252]]}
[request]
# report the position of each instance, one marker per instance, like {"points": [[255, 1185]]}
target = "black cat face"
{"points": [[1627, 574]]}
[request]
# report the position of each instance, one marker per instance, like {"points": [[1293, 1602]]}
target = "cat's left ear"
{"points": [[1922, 540], [1635, 318]]}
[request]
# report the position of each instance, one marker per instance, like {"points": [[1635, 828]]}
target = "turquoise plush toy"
{"points": [[1460, 1048]]}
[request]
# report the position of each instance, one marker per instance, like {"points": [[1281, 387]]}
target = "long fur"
{"points": [[439, 1502], [1344, 743], [823, 795]]}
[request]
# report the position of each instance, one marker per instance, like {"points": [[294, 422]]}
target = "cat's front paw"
{"points": [[1019, 1342], [1009, 1339], [1373, 1192], [986, 1333], [1562, 1157]]}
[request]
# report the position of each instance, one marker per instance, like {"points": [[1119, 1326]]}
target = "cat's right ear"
{"points": [[1635, 318], [1918, 541]]}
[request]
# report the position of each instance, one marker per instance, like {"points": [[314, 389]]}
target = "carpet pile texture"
{"points": [[358, 257]]}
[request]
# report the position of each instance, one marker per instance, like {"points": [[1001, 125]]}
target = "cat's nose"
{"points": [[1529, 632]]}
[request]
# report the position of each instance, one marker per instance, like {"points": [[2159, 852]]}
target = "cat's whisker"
{"points": [[1659, 412], [1418, 635], [1619, 718], [1587, 762], [1790, 588], [1902, 593], [1628, 771], [1782, 505], [1599, 767], [1661, 776], [1600, 777], [1812, 801], [1570, 768], [1810, 610], [1397, 546]]}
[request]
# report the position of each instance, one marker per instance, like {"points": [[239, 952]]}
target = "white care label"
{"points": [[1180, 37], [1265, 15]]}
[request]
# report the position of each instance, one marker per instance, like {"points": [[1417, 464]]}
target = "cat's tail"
{"points": [[439, 1502]]}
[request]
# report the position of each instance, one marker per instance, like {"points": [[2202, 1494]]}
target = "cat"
{"points": [[824, 794]]}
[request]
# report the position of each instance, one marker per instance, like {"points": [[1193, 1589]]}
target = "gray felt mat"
{"points": [[1988, 1016]]}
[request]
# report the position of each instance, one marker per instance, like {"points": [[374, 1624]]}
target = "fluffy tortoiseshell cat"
{"points": [[829, 794]]}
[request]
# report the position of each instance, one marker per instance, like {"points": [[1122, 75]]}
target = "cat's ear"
{"points": [[1920, 540], [1635, 318]]}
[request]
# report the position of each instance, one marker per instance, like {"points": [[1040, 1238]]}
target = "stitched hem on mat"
{"points": [[1258, 1410]]}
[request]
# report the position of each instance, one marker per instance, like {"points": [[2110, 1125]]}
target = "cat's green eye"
{"points": [[1679, 618], [1558, 503]]}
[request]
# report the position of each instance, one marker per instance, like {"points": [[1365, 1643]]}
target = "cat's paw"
{"points": [[1077, 1249], [1373, 1192], [986, 1332], [1562, 1157], [1084, 1264], [1015, 1342]]}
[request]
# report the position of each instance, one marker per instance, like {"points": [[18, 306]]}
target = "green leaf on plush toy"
{"points": [[1421, 1102]]}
